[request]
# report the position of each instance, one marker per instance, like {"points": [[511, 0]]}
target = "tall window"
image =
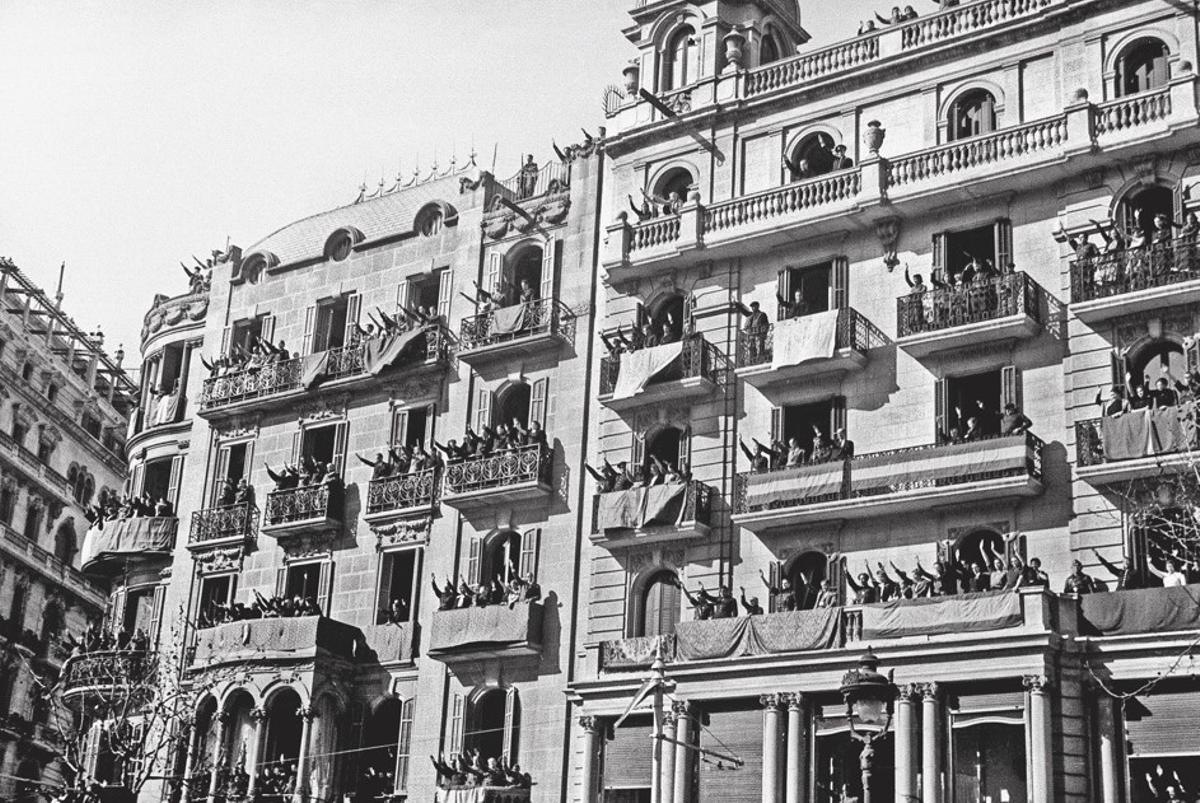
{"points": [[681, 62], [398, 579], [660, 605], [1142, 67], [972, 114], [33, 518], [8, 503], [769, 51]]}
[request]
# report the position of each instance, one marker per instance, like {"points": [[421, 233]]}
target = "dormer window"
{"points": [[430, 221], [339, 246], [681, 61]]}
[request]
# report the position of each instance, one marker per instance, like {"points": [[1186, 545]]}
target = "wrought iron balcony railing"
{"points": [[1137, 434], [545, 316], [854, 332], [98, 672], [251, 383], [309, 502], [700, 359], [1133, 269], [989, 300], [527, 464], [403, 491], [226, 522]]}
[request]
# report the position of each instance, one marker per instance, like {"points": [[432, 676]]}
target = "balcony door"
{"points": [[660, 606], [232, 464], [399, 576], [806, 290]]}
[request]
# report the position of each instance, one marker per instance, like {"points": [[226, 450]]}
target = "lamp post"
{"points": [[869, 697]]}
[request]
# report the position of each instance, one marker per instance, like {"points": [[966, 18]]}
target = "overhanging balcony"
{"points": [[520, 331], [465, 635], [1137, 444], [108, 675], [514, 475], [653, 514], [223, 526], [890, 483], [1135, 281], [308, 510], [391, 498], [993, 312], [798, 350], [293, 639], [109, 545], [677, 373]]}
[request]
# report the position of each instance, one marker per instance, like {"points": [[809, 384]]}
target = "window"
{"points": [[513, 404], [170, 368], [669, 445], [770, 50], [1138, 209], [806, 574], [157, 479], [429, 221], [838, 761], [215, 590], [27, 372], [33, 518], [972, 114], [325, 444], [989, 755], [398, 583], [8, 503], [413, 426], [969, 406], [303, 581], [381, 738], [802, 422], [65, 544], [961, 247], [813, 156], [506, 555], [660, 605], [326, 324], [494, 724], [244, 334], [339, 246], [91, 425], [16, 608], [806, 290], [139, 610], [681, 61], [52, 392], [1142, 67], [45, 449], [428, 293], [676, 182], [20, 425]]}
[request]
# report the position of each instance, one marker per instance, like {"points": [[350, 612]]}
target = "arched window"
{"points": [[660, 605], [813, 156], [1139, 208], [89, 488], [806, 573], [339, 246], [514, 404], [1147, 363], [1142, 67], [978, 546], [681, 61], [380, 738], [670, 446], [52, 620], [429, 221], [769, 51], [523, 273], [677, 181], [501, 558], [974, 113], [65, 542], [667, 315], [494, 725], [29, 787], [283, 729]]}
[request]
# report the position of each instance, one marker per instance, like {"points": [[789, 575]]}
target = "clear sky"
{"points": [[135, 133]]}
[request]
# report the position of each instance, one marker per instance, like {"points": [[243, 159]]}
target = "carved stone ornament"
{"points": [[325, 409], [888, 231], [402, 533], [172, 312], [219, 559], [417, 388], [308, 545], [238, 427]]}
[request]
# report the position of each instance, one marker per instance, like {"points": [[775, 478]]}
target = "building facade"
{"points": [[64, 411]]}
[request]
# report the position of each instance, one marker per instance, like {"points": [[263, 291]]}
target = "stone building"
{"points": [[64, 411], [973, 146]]}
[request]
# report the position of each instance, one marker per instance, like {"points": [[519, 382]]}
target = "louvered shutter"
{"points": [[987, 116], [774, 575], [837, 415], [549, 268], [1120, 367], [399, 427], [530, 545], [626, 758], [474, 555], [173, 481], [383, 585], [1003, 239], [430, 420], [776, 423], [483, 409], [353, 311], [221, 472], [310, 325], [340, 439], [445, 294], [684, 458], [325, 588], [638, 452], [1159, 73], [939, 255], [738, 732], [495, 269], [135, 481], [267, 330], [668, 608], [226, 345], [839, 287], [783, 286], [404, 744], [297, 445], [941, 409], [1010, 387], [456, 724], [156, 613], [281, 581], [1163, 723], [512, 724], [402, 294], [833, 570], [537, 402]]}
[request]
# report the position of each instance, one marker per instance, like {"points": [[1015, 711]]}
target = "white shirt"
{"points": [[1173, 579]]}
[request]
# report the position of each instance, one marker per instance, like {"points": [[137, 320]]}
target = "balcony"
{"points": [[223, 526], [482, 794], [390, 498], [994, 312], [466, 635], [515, 475], [307, 510], [392, 643], [120, 676], [635, 653], [1140, 443], [677, 373], [1136, 281], [265, 385], [45, 563], [653, 514], [33, 467], [109, 545], [517, 332], [296, 639], [799, 350], [891, 483]]}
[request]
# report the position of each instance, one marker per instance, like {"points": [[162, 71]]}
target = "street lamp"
{"points": [[869, 696]]}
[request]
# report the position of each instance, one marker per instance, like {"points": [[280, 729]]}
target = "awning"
{"points": [[799, 340], [639, 367]]}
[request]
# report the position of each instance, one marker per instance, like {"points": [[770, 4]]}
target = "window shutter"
{"points": [[310, 324], [1158, 74], [684, 459], [353, 310], [483, 409], [325, 588], [537, 402], [1010, 386], [1003, 238], [839, 287], [987, 116], [494, 271], [837, 415], [511, 724], [638, 452], [156, 614], [941, 409], [456, 724], [281, 581], [776, 423], [445, 294], [833, 570], [383, 584], [783, 289], [549, 267], [135, 482], [430, 420], [939, 255], [173, 481], [530, 544], [404, 744], [668, 609], [225, 339], [640, 317], [399, 427], [1120, 367], [1192, 354], [474, 550], [340, 439], [774, 574], [688, 324], [267, 330], [402, 293]]}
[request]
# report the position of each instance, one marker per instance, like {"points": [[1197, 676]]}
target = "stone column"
{"points": [[1110, 755], [796, 789], [770, 747], [1040, 759], [307, 714], [683, 755], [931, 745], [223, 718], [189, 761], [668, 755], [591, 753], [906, 749], [258, 716]]}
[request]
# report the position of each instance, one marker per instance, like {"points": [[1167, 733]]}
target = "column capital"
{"points": [[590, 724], [224, 716], [681, 708], [306, 712], [774, 701], [794, 700], [1036, 684], [910, 691], [929, 691], [670, 718], [258, 714]]}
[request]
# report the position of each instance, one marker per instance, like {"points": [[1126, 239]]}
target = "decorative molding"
{"points": [[1036, 684], [324, 409], [589, 723], [308, 545], [772, 701], [219, 559], [402, 534]]}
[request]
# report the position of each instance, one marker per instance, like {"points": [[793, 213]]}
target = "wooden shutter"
{"points": [[530, 546], [640, 317], [1010, 387], [135, 482], [325, 588], [1120, 367], [987, 116], [430, 420], [340, 438], [156, 613], [1159, 73], [774, 575], [173, 481], [267, 330], [404, 744], [537, 402], [402, 293], [483, 409], [221, 472], [1164, 722], [1015, 548], [445, 294], [353, 310], [383, 584], [1191, 354], [512, 724], [474, 558], [837, 415], [1003, 239], [839, 285], [833, 571], [776, 423], [495, 269], [939, 255], [226, 346], [456, 724], [281, 581], [783, 289], [310, 325], [738, 732], [297, 444], [399, 427], [662, 609], [549, 267], [684, 458], [941, 409], [637, 454]]}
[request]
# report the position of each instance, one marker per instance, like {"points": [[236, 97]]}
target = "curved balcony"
{"points": [[653, 514], [890, 483], [676, 373], [466, 635], [515, 475], [1136, 281], [796, 351], [1137, 444], [390, 498], [223, 526], [109, 545], [107, 675], [994, 312], [519, 331], [169, 313], [310, 509]]}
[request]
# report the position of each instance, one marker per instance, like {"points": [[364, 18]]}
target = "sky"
{"points": [[136, 133]]}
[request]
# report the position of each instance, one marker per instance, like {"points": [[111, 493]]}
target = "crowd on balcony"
{"points": [[779, 455], [971, 290], [502, 296], [235, 492], [979, 422], [653, 206], [1141, 255], [897, 17], [480, 595], [308, 474], [277, 607], [240, 358], [102, 639], [111, 507], [493, 440], [401, 460], [648, 336], [463, 771], [410, 318], [621, 477], [1167, 391]]}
